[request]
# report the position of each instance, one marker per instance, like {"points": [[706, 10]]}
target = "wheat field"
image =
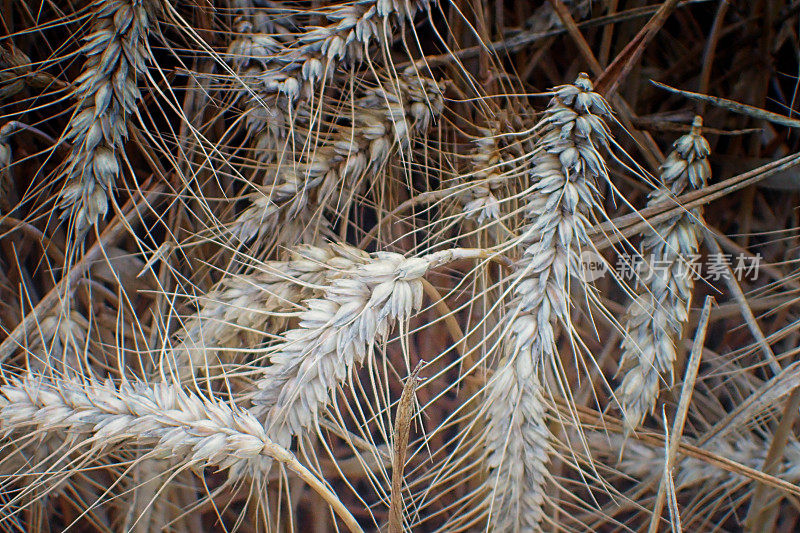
{"points": [[384, 265]]}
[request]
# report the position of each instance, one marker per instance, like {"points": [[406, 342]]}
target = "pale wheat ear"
{"points": [[205, 432], [386, 120], [561, 201], [241, 311], [336, 333], [655, 321]]}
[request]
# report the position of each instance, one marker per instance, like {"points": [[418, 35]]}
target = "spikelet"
{"points": [[656, 318], [561, 202], [16, 72], [107, 94], [250, 47]]}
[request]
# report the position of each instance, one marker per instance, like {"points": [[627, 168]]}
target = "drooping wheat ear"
{"points": [[204, 432], [291, 70], [656, 318], [107, 94], [176, 423], [560, 206], [385, 119], [252, 52], [242, 309], [490, 187], [337, 332]]}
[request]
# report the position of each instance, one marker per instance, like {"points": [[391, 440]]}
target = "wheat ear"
{"points": [[656, 318], [386, 119], [641, 461], [107, 94], [295, 69], [481, 201], [337, 332], [205, 432], [290, 72], [251, 305], [561, 202]]}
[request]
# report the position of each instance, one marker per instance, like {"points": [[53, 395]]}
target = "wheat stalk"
{"points": [[566, 164], [656, 318], [107, 94]]}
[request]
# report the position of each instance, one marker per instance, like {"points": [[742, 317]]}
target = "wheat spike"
{"points": [[566, 164], [337, 332], [386, 119], [252, 305], [175, 423], [107, 94], [655, 319]]}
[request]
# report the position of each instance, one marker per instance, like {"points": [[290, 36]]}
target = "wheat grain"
{"points": [[655, 319], [107, 94]]}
